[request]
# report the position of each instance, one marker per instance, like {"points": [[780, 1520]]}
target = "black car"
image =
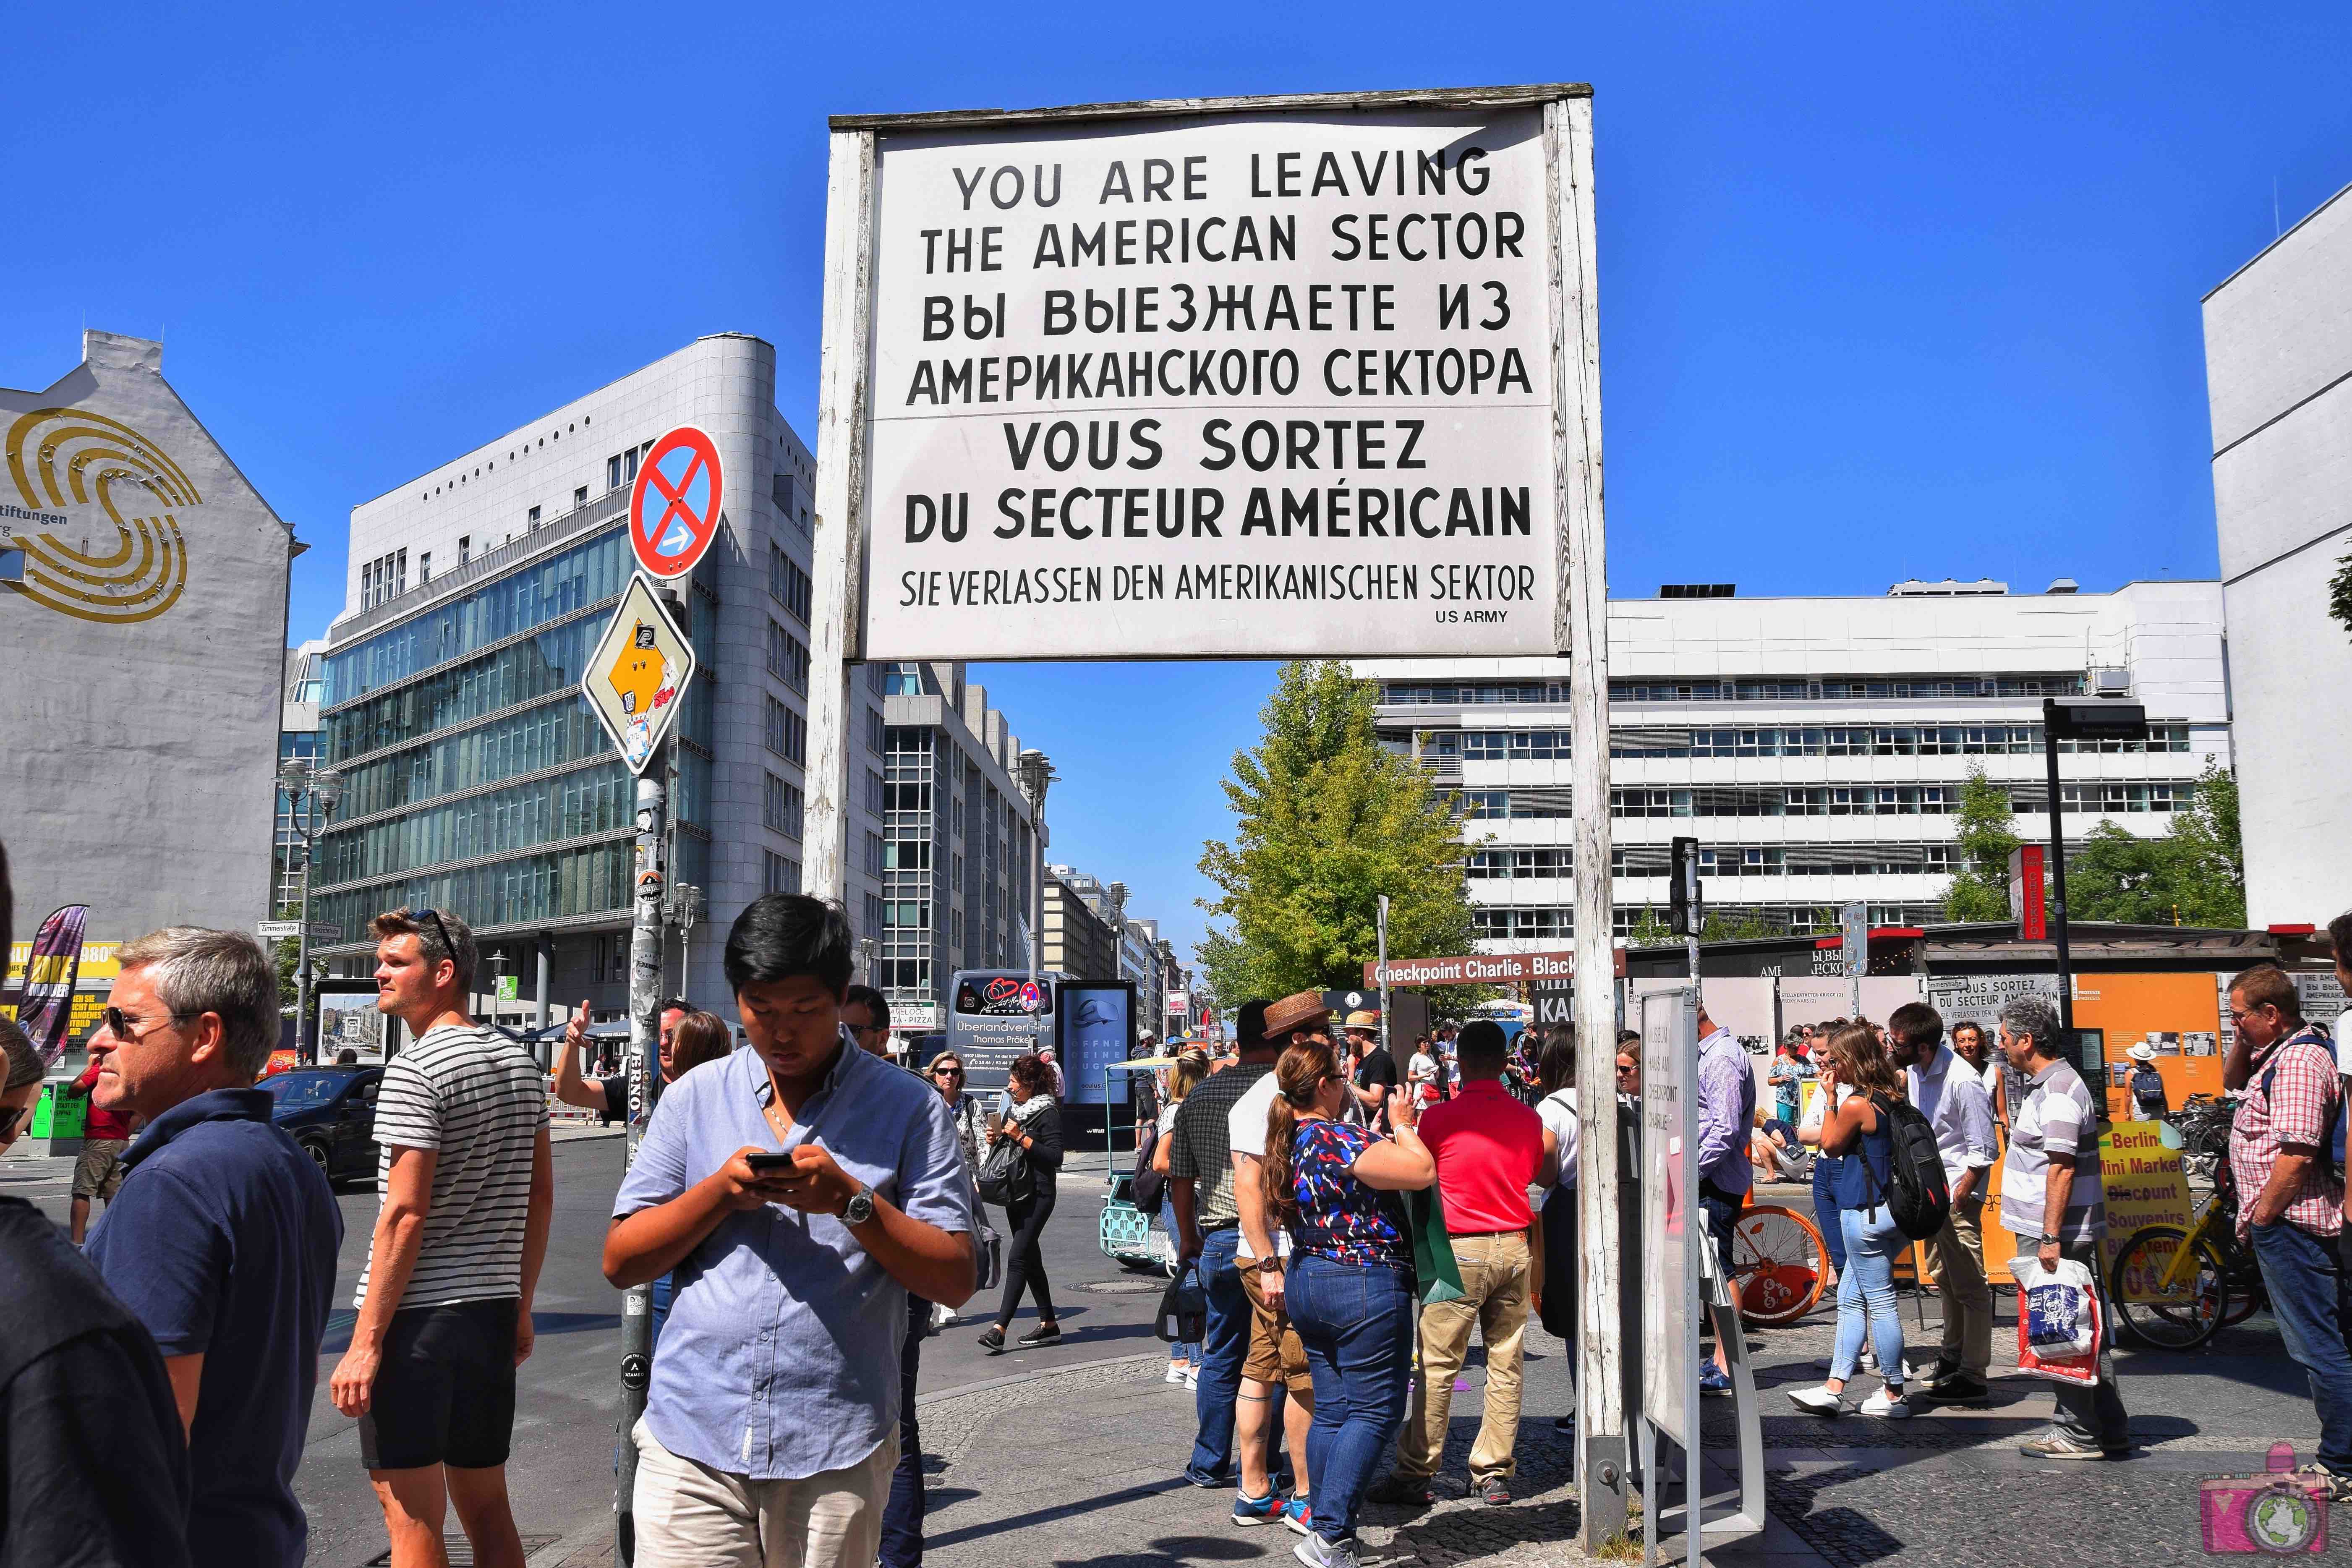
{"points": [[330, 1111]]}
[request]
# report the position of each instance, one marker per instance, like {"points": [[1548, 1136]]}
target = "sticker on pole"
{"points": [[639, 673], [674, 510]]}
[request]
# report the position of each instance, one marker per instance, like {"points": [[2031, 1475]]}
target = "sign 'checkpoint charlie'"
{"points": [[1260, 383]]}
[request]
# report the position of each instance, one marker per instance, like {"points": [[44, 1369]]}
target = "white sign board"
{"points": [[1266, 381], [280, 930], [1671, 1228], [1180, 1001]]}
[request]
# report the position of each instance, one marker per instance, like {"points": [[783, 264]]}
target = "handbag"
{"points": [[1436, 1275], [1184, 1307], [1151, 1181], [1005, 1177], [2059, 1322], [988, 1260]]}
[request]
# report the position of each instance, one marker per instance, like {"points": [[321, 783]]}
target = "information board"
{"points": [[1096, 1029], [1277, 379], [1669, 1191]]}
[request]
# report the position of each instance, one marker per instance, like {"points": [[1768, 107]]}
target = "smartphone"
{"points": [[994, 1121], [768, 1164]]}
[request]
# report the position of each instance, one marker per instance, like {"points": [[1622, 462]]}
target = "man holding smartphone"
{"points": [[801, 1189]]}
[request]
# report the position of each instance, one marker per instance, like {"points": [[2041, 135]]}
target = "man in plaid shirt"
{"points": [[2280, 1154]]}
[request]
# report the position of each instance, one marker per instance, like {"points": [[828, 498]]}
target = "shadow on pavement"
{"points": [[1069, 1510]]}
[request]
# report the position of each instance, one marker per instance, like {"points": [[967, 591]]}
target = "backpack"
{"points": [[1921, 1201], [2343, 1110], [1150, 1185]]}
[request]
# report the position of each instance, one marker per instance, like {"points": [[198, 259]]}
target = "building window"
{"points": [[787, 733], [424, 568], [874, 739], [779, 874], [781, 806], [904, 680], [874, 867], [620, 468], [532, 517], [579, 498], [875, 917], [788, 658], [779, 491], [955, 932], [789, 584], [464, 548]]}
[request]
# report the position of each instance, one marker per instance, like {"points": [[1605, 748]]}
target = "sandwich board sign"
{"points": [[637, 675], [673, 505]]}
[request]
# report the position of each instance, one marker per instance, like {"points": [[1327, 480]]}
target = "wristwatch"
{"points": [[860, 1207], [2047, 1239]]}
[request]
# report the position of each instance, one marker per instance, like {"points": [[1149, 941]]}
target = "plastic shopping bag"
{"points": [[2058, 1321]]}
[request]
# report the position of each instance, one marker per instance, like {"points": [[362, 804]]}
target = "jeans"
{"points": [[1825, 1211], [2095, 1417], [2313, 1301], [1224, 1345], [1025, 1265], [1187, 1350], [1357, 1325], [1866, 1294], [1494, 1288], [902, 1516]]}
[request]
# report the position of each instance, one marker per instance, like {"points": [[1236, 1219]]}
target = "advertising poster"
{"points": [[2144, 1185], [1097, 1031]]}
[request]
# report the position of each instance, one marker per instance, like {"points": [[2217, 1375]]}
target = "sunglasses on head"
{"points": [[413, 916]]}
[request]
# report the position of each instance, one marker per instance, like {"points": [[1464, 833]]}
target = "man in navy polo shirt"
{"points": [[224, 1237]]}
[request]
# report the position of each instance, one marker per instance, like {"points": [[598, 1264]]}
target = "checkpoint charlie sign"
{"points": [[1260, 378]]}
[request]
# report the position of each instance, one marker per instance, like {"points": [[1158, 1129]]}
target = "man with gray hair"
{"points": [[2051, 1200], [223, 1238], [445, 1301]]}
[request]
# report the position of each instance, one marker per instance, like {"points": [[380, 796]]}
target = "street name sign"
{"points": [[639, 673], [281, 930], [674, 506]]}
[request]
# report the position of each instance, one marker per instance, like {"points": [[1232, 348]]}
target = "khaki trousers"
{"points": [[692, 1516], [1956, 1260], [1496, 1273]]}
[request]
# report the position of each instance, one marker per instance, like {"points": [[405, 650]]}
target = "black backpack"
{"points": [[1921, 1201]]}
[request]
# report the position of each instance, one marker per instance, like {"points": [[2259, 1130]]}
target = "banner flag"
{"points": [[44, 1009]]}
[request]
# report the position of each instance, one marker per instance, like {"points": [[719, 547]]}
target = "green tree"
{"points": [[2194, 874], [2340, 593], [1984, 833], [1328, 819], [1649, 932], [1737, 925]]}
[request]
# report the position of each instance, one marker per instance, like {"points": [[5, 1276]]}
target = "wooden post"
{"points": [[839, 554], [1582, 633]]}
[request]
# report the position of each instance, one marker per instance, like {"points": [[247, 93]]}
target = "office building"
{"points": [[142, 611], [957, 848], [2278, 371], [1815, 746], [1076, 938], [297, 736], [476, 776]]}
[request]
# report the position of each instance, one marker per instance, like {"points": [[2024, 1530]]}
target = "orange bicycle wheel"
{"points": [[1776, 1257]]}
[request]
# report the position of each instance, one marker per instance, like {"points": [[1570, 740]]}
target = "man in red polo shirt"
{"points": [[1488, 1148]]}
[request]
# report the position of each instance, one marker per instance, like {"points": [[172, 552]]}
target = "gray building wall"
{"points": [[2278, 370], [141, 710]]}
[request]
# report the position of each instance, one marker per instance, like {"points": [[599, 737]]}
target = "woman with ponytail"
{"points": [[1350, 1287]]}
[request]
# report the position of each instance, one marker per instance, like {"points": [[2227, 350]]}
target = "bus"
{"points": [[995, 1014]]}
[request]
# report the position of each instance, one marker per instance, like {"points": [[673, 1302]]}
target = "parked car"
{"points": [[330, 1112]]}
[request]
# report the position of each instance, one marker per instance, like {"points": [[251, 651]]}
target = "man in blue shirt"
{"points": [[224, 1237], [775, 1404], [1726, 1108]]}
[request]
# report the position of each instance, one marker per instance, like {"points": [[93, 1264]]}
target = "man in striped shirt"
{"points": [[444, 1299]]}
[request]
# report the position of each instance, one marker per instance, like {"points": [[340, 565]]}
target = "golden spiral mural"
{"points": [[68, 455]]}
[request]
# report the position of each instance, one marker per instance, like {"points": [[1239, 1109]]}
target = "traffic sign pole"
{"points": [[645, 1090]]}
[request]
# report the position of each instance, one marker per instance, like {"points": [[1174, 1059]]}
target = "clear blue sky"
{"points": [[1885, 291]]}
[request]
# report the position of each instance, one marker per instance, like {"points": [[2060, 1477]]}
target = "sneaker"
{"points": [[1714, 1382], [2056, 1444], [1493, 1491], [1887, 1406], [1208, 1483], [1296, 1514], [1934, 1376], [993, 1341], [1175, 1373], [2337, 1488], [1250, 1512], [1818, 1401], [1044, 1334], [1318, 1553], [1400, 1490], [1192, 1377], [1958, 1389], [1564, 1424], [940, 1318]]}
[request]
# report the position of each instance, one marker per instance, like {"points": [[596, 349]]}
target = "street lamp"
{"points": [[2074, 718], [1117, 892], [1036, 775], [311, 796]]}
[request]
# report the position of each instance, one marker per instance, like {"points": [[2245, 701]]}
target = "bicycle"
{"points": [[1776, 1259], [2176, 1289]]}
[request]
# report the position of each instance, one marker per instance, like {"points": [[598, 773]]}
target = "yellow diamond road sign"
{"points": [[638, 674]]}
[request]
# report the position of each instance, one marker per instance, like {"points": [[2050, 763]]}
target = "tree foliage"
{"points": [[1984, 833], [2340, 593], [1328, 819], [2195, 875], [1650, 931]]}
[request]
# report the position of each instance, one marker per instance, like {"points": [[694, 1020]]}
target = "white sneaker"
{"points": [[1192, 1377], [940, 1318], [1891, 1409], [1175, 1373], [1818, 1401]]}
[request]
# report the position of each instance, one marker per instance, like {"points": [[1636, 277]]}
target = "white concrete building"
{"points": [[476, 777], [2278, 372], [1814, 746]]}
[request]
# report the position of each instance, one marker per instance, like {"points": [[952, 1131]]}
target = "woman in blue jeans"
{"points": [[1349, 1286], [1854, 1131]]}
